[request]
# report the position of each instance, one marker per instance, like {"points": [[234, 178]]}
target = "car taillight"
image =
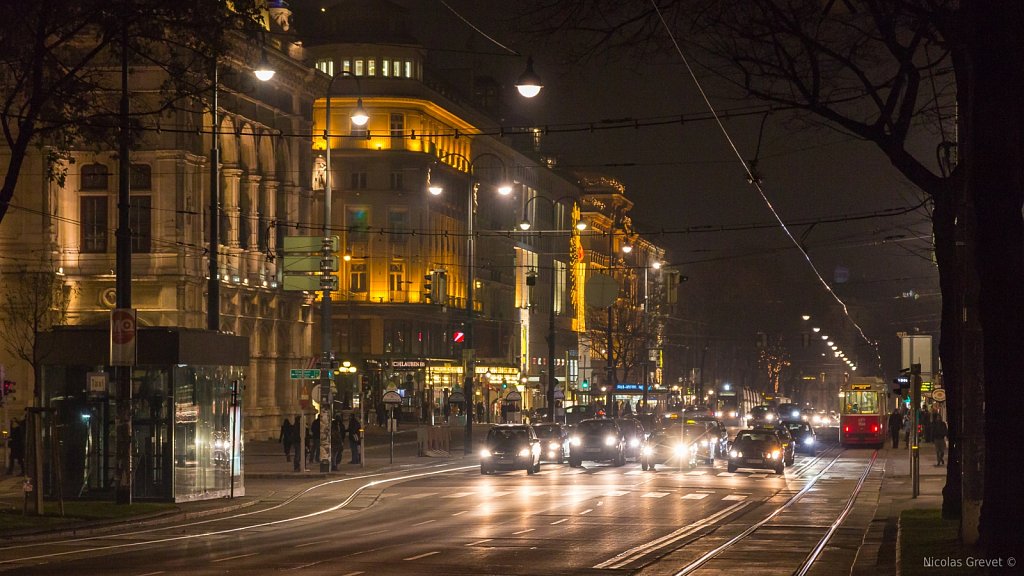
{"points": [[874, 427], [846, 428]]}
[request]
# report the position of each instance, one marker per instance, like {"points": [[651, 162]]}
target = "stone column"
{"points": [[268, 213], [231, 219]]}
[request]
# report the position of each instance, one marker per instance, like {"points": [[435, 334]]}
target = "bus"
{"points": [[862, 415]]}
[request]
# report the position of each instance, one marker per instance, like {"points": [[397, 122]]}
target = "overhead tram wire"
{"points": [[757, 184]]}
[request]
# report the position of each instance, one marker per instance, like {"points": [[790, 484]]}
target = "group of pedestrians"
{"points": [[291, 436], [934, 428]]}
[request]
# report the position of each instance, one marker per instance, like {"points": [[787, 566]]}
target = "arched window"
{"points": [[141, 177], [95, 177]]}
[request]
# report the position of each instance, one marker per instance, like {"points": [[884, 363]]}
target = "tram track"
{"points": [[814, 553]]}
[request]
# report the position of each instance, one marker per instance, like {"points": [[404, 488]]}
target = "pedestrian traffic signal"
{"points": [[585, 385], [8, 388]]}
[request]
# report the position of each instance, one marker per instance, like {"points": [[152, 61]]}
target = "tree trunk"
{"points": [[994, 128]]}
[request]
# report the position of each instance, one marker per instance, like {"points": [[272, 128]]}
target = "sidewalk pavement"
{"points": [[267, 474], [878, 552]]}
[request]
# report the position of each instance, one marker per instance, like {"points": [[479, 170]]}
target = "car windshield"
{"points": [[592, 426], [755, 437], [548, 431], [796, 426], [507, 435]]}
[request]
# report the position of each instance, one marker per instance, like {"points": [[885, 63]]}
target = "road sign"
{"points": [[309, 263], [122, 337], [304, 373], [939, 395], [459, 337], [457, 398], [391, 397], [309, 244], [309, 283]]}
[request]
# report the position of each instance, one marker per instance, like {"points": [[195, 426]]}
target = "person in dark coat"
{"points": [[16, 444], [895, 425], [353, 439], [285, 438], [939, 432], [337, 443]]}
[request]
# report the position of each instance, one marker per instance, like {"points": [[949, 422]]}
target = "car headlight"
{"points": [[554, 446], [733, 414], [524, 452], [734, 454], [776, 454], [718, 414], [769, 417], [681, 449], [485, 453], [808, 440], [749, 416], [705, 443], [634, 442], [575, 441], [647, 450], [609, 440]]}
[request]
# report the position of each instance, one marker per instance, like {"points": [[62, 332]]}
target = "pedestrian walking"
{"points": [[939, 432], [926, 425], [298, 458], [314, 432], [895, 424], [16, 446], [337, 443], [353, 439], [285, 438]]}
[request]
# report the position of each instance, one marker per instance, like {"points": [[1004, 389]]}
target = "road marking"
{"points": [[726, 474], [424, 522], [460, 513], [559, 521], [587, 511], [634, 554], [654, 495], [353, 573], [421, 555], [479, 541], [616, 493], [458, 495], [695, 496], [696, 472], [523, 531], [151, 573], [758, 476], [233, 557], [633, 472], [303, 545], [415, 496], [706, 491], [735, 497]]}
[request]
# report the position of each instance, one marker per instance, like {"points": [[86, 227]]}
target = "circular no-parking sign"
{"points": [[123, 325]]}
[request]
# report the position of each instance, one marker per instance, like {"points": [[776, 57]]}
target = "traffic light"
{"points": [[585, 385], [504, 385], [428, 287], [900, 384], [8, 388]]}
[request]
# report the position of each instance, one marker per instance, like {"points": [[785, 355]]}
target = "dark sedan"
{"points": [[757, 449], [675, 446], [597, 439], [633, 430], [554, 442], [804, 438], [510, 447]]}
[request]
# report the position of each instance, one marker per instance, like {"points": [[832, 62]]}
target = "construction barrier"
{"points": [[434, 440]]}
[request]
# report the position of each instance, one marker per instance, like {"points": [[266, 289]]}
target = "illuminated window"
{"points": [[360, 66], [560, 279], [408, 69], [526, 266], [397, 125], [371, 67], [357, 277], [385, 68], [326, 66], [346, 65], [396, 277]]}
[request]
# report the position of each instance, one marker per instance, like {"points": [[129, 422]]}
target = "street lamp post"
{"points": [[359, 118], [504, 189], [525, 225]]}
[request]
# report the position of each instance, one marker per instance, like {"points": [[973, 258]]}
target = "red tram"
{"points": [[862, 418]]}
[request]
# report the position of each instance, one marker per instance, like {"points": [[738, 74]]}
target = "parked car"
{"points": [[597, 439], [510, 447], [804, 438], [633, 430], [554, 442], [757, 449]]}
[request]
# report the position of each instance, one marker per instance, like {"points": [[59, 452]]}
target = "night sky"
{"points": [[688, 185]]}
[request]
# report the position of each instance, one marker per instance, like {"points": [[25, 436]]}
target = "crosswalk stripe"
{"points": [[616, 493], [655, 495], [735, 497], [695, 496]]}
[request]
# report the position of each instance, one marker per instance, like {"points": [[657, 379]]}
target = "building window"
{"points": [[396, 68], [357, 277], [140, 221], [358, 180], [398, 180], [94, 177], [526, 270], [360, 67], [358, 222], [560, 277], [346, 65], [398, 224], [357, 130], [408, 69], [141, 177], [385, 68], [94, 224], [326, 66], [397, 125], [396, 277], [371, 67]]}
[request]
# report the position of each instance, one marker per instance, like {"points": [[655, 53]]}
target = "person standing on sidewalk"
{"points": [[16, 444], [285, 438], [939, 432], [895, 424], [353, 439]]}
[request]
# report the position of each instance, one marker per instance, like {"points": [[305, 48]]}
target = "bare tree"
{"points": [[889, 73], [56, 58], [34, 300]]}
